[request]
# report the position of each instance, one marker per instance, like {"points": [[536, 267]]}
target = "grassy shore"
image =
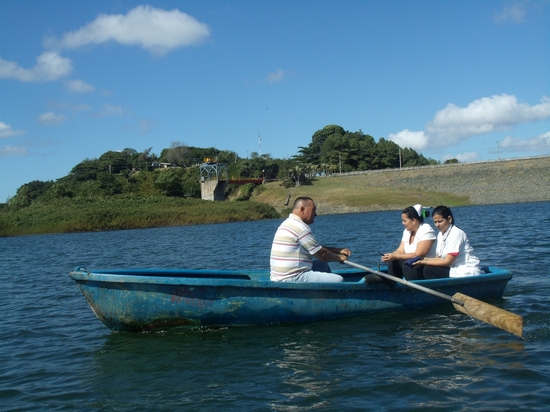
{"points": [[66, 216], [506, 181]]}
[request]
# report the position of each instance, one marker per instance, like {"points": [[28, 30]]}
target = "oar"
{"points": [[477, 309]]}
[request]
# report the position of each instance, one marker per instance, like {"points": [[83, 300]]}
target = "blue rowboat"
{"points": [[159, 299]]}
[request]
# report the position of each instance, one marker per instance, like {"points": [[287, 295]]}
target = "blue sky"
{"points": [[456, 78]]}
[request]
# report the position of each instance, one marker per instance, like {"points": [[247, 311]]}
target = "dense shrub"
{"points": [[68, 215]]}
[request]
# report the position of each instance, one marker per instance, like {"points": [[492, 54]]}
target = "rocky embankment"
{"points": [[503, 181]]}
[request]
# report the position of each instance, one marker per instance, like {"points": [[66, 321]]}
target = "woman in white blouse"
{"points": [[455, 256], [418, 241]]}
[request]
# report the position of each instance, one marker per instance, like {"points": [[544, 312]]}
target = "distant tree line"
{"points": [[132, 173], [333, 147]]}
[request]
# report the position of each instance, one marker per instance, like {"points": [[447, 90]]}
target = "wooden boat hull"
{"points": [[158, 299]]}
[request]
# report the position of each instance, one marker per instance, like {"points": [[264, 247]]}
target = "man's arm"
{"points": [[332, 254]]}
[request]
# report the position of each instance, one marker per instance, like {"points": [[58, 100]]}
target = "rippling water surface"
{"points": [[56, 355]]}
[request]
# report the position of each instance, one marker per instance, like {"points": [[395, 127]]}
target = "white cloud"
{"points": [[6, 131], [485, 115], [78, 86], [155, 30], [51, 119], [407, 138], [50, 66], [276, 76], [514, 12], [7, 151], [538, 143]]}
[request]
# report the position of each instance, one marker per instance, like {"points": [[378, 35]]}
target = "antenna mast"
{"points": [[259, 144]]}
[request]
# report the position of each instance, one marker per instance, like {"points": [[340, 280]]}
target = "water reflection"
{"points": [[451, 356]]}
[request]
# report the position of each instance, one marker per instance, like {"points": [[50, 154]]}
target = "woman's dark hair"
{"points": [[412, 214], [444, 212]]}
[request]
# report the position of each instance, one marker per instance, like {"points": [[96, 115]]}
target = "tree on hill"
{"points": [[29, 192], [335, 148], [113, 162], [85, 170], [386, 155], [314, 151], [175, 154], [144, 157]]}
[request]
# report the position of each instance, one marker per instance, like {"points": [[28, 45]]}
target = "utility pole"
{"points": [[498, 150], [400, 158], [259, 144]]}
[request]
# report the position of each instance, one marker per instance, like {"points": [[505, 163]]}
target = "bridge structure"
{"points": [[239, 181], [214, 180]]}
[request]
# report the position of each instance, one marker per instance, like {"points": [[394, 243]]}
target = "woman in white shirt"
{"points": [[418, 240], [455, 256]]}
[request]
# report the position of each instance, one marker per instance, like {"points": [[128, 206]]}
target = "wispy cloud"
{"points": [[514, 12], [50, 66], [463, 157], [51, 119], [75, 108], [6, 131], [276, 76], [7, 151], [539, 143], [142, 127], [488, 114], [110, 110], [145, 126], [157, 31], [78, 86]]}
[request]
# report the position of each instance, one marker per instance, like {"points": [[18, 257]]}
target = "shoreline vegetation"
{"points": [[119, 213], [503, 181]]}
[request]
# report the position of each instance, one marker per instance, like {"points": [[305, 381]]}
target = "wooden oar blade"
{"points": [[490, 314]]}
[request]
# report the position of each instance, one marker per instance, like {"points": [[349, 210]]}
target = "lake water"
{"points": [[56, 355]]}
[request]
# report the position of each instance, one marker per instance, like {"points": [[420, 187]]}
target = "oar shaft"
{"points": [[407, 283]]}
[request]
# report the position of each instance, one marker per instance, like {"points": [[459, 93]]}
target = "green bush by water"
{"points": [[68, 215]]}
